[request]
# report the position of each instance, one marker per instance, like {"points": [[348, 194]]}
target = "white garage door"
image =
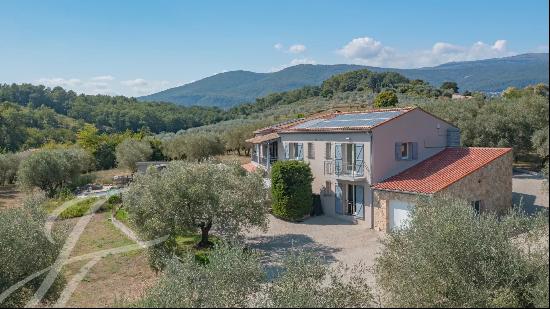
{"points": [[399, 213]]}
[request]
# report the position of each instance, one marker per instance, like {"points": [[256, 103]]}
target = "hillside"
{"points": [[236, 87]]}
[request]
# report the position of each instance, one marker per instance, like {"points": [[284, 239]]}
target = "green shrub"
{"points": [[115, 199], [25, 250], [79, 209], [385, 99], [451, 257], [121, 215], [112, 202], [291, 189]]}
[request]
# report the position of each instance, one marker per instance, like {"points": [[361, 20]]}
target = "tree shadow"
{"points": [[324, 220], [274, 249], [526, 202]]}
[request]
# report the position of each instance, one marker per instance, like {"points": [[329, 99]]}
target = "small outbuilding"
{"points": [[482, 176]]}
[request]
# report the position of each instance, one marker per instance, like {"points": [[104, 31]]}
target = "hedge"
{"points": [[291, 190]]}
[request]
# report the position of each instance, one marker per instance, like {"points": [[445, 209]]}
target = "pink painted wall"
{"points": [[414, 126]]}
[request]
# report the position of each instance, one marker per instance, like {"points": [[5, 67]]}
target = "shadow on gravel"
{"points": [[275, 248], [527, 203]]}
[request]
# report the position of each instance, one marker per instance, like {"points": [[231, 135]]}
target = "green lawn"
{"points": [[79, 209]]}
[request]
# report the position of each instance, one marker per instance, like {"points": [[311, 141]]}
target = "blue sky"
{"points": [[139, 47]]}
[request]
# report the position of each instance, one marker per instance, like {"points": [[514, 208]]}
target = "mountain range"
{"points": [[236, 87]]}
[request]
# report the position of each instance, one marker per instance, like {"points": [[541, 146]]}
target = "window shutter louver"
{"points": [[398, 151]]}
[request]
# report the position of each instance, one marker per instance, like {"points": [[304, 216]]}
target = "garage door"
{"points": [[399, 213]]}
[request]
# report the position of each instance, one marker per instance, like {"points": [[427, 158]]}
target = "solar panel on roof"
{"points": [[351, 120]]}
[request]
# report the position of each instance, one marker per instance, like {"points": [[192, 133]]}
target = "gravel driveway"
{"points": [[340, 241], [330, 238], [528, 189]]}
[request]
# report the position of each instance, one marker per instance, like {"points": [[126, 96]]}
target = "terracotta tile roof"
{"points": [[249, 167], [262, 138], [441, 170]]}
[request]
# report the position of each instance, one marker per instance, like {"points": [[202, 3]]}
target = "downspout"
{"points": [[370, 180]]}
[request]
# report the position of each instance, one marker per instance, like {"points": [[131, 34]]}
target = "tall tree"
{"points": [[193, 197], [53, 169], [453, 86], [131, 151]]}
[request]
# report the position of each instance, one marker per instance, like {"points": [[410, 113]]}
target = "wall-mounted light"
{"points": [[347, 138]]}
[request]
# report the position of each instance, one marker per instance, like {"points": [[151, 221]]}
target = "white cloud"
{"points": [[369, 51], [297, 49], [293, 62], [107, 84], [293, 49], [362, 48], [541, 48], [140, 86], [138, 82], [103, 78], [302, 61], [57, 81], [441, 48]]}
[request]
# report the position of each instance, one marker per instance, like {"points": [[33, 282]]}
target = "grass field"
{"points": [[114, 278]]}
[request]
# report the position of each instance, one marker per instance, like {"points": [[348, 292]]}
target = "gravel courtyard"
{"points": [[528, 188], [333, 239]]}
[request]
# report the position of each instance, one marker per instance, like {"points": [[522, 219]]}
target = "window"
{"points": [[477, 206], [404, 151], [294, 151], [310, 151], [328, 188], [328, 151]]}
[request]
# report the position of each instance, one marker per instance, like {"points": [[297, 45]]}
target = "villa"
{"points": [[370, 166]]}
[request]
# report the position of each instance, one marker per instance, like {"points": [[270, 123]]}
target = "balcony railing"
{"points": [[344, 168], [263, 160]]}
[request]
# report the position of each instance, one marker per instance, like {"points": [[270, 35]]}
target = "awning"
{"points": [[263, 138]]}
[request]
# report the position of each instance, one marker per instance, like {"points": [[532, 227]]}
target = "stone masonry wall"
{"points": [[491, 184], [382, 204]]}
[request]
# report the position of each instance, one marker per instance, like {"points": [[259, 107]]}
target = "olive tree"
{"points": [[25, 249], [193, 146], [228, 280], [130, 151], [236, 278], [53, 169], [189, 197], [449, 256], [9, 164], [306, 281]]}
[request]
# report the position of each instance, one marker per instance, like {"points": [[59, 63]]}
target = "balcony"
{"points": [[263, 161], [344, 169]]}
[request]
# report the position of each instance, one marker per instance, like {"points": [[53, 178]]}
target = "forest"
{"points": [[36, 116]]}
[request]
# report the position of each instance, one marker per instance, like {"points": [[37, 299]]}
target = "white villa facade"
{"points": [[352, 153]]}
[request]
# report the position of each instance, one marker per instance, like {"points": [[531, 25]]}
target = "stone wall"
{"points": [[382, 204], [492, 184]]}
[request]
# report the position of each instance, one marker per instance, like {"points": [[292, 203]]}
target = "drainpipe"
{"points": [[370, 180]]}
